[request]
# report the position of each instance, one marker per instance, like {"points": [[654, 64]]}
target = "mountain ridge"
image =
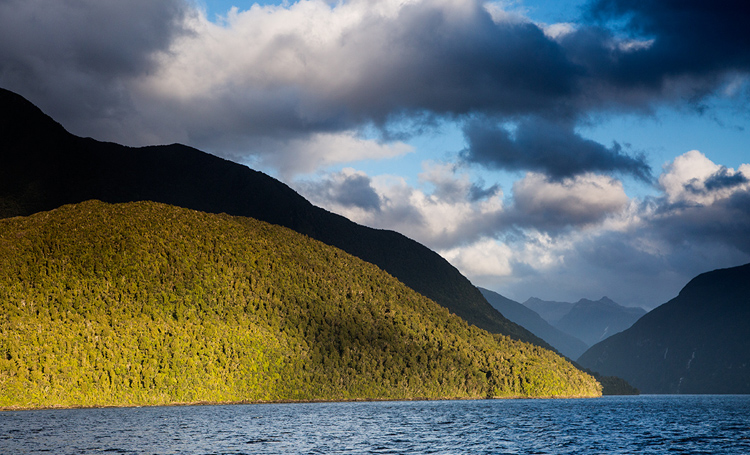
{"points": [[588, 320], [44, 166], [550, 311]]}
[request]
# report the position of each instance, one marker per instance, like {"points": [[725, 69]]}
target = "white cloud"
{"points": [[638, 252], [481, 259], [631, 45], [531, 244], [505, 11], [441, 212], [693, 178], [304, 155], [559, 30], [582, 200]]}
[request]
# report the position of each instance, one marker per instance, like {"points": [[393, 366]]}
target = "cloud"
{"points": [[582, 201], [483, 258], [304, 155], [690, 38], [349, 188], [313, 66], [694, 179], [704, 204], [443, 211], [563, 239], [548, 147], [638, 252], [447, 210], [74, 59], [314, 71]]}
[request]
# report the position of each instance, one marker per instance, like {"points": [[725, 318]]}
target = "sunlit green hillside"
{"points": [[145, 303]]}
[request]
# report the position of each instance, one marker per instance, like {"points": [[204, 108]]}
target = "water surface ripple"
{"points": [[609, 425]]}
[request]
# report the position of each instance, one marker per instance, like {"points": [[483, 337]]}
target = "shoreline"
{"points": [[310, 401]]}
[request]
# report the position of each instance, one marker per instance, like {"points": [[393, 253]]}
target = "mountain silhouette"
{"points": [[42, 167], [565, 344], [698, 342]]}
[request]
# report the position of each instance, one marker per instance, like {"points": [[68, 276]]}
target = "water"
{"points": [[609, 425]]}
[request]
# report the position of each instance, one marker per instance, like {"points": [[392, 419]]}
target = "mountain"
{"points": [[144, 303], [42, 167], [565, 344], [550, 311], [592, 321], [587, 320], [698, 342]]}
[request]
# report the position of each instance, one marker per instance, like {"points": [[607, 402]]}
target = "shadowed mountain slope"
{"points": [[42, 166], [565, 344], [698, 342]]}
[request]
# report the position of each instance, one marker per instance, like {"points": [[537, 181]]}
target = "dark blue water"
{"points": [[610, 425]]}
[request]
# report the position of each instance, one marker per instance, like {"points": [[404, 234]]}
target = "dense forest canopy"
{"points": [[145, 303]]}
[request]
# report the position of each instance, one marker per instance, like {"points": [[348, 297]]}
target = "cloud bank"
{"points": [[268, 79], [564, 239]]}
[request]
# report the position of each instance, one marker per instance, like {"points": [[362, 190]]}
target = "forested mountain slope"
{"points": [[145, 303], [42, 166], [698, 342]]}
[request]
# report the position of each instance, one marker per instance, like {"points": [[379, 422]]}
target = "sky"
{"points": [[550, 149]]}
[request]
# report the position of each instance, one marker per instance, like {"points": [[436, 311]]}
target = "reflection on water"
{"points": [[611, 425]]}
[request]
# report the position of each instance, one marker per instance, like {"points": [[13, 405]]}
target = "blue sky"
{"points": [[551, 149]]}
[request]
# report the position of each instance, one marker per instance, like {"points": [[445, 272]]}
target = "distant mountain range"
{"points": [[42, 167], [698, 342], [587, 320], [549, 310], [564, 343]]}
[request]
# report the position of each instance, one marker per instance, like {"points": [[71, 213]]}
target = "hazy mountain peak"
{"points": [[587, 320], [564, 343]]}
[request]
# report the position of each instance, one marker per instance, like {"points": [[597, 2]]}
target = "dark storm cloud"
{"points": [[456, 62], [691, 37], [546, 147], [72, 58], [721, 179], [666, 52]]}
